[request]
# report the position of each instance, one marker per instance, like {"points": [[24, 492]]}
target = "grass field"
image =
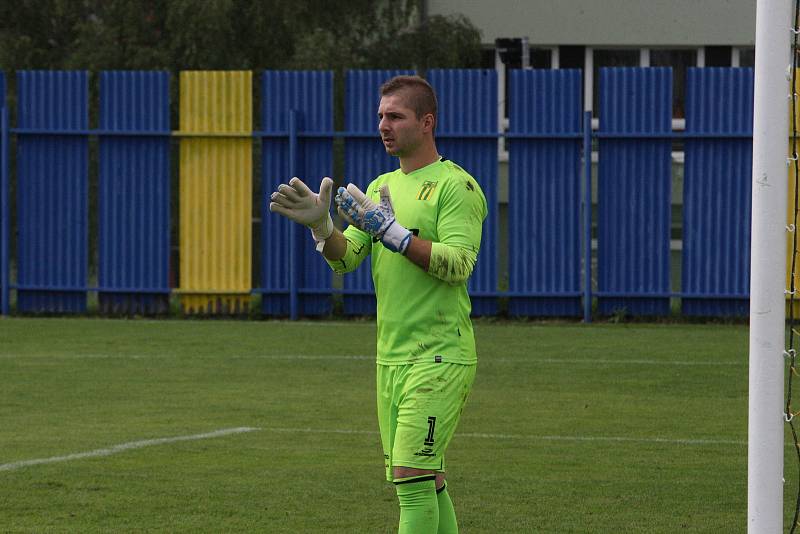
{"points": [[570, 428]]}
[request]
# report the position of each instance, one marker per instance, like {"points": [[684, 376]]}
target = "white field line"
{"points": [[123, 447], [361, 357], [111, 355]]}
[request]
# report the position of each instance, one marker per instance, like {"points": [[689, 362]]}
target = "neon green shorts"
{"points": [[419, 406]]}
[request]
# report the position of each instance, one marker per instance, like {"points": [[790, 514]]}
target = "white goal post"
{"points": [[767, 267]]}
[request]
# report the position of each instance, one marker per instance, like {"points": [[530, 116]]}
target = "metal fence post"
{"points": [[587, 217], [294, 241]]}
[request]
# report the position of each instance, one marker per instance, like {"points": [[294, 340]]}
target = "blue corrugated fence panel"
{"points": [[717, 192], [634, 191], [134, 193], [544, 193], [310, 93], [468, 105], [52, 185], [364, 160]]}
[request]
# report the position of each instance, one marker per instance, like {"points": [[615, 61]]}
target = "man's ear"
{"points": [[428, 121]]}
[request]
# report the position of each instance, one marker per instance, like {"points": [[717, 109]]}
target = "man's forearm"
{"points": [[419, 252], [335, 246], [453, 265]]}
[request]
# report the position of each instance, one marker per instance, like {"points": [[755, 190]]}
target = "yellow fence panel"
{"points": [[216, 157]]}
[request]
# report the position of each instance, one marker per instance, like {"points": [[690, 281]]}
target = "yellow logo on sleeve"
{"points": [[426, 190]]}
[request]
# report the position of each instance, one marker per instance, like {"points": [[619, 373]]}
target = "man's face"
{"points": [[401, 131]]}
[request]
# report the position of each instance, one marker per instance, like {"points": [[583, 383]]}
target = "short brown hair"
{"points": [[421, 96]]}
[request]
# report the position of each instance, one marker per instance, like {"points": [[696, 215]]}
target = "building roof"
{"points": [[609, 23]]}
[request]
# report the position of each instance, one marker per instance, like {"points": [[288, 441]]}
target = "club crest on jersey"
{"points": [[426, 190]]}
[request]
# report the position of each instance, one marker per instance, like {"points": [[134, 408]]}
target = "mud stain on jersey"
{"points": [[421, 347], [453, 266]]}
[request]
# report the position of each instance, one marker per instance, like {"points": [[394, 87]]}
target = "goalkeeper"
{"points": [[422, 226]]}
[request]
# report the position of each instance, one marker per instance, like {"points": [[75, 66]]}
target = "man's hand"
{"points": [[300, 204], [378, 220]]}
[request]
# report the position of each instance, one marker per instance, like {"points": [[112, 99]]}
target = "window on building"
{"points": [[512, 58], [610, 58], [571, 57], [747, 57], [679, 60], [541, 58], [718, 56]]}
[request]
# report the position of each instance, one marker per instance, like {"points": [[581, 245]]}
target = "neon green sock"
{"points": [[419, 509], [447, 514]]}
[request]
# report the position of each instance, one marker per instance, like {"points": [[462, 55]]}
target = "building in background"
{"points": [[611, 33]]}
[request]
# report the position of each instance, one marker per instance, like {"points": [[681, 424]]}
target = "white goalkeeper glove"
{"points": [[378, 220], [300, 204]]}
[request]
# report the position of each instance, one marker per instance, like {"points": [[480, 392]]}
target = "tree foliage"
{"points": [[231, 34]]}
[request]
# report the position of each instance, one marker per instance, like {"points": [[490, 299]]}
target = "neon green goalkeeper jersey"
{"points": [[424, 316]]}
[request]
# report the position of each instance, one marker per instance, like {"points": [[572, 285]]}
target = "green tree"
{"points": [[230, 34], [40, 34], [183, 35], [120, 34], [388, 35]]}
